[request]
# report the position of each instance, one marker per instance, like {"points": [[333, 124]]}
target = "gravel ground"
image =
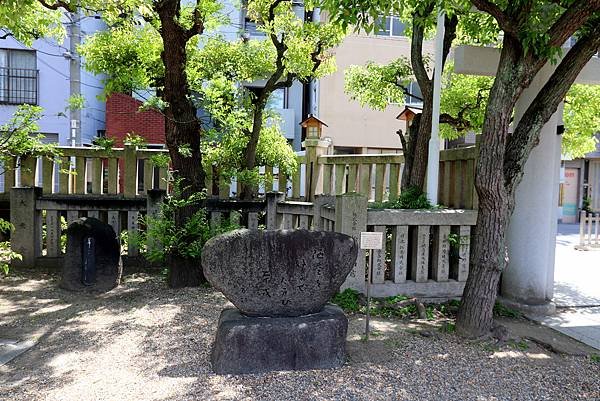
{"points": [[144, 341]]}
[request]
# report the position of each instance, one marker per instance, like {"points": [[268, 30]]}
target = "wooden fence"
{"points": [[131, 172], [426, 253], [457, 178], [79, 170], [589, 231]]}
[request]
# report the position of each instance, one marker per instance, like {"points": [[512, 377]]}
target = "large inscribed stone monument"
{"points": [[280, 282]]}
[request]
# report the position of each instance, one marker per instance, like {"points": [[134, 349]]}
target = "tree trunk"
{"points": [[420, 149], [415, 167], [408, 145], [250, 153], [182, 129], [489, 253], [490, 256], [184, 272], [181, 124]]}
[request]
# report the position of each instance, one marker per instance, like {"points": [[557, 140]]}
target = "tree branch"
{"points": [[289, 80], [198, 23], [477, 104], [505, 23], [573, 17], [405, 90], [58, 4], [169, 12], [416, 50], [314, 56], [527, 132], [450, 24], [402, 139], [459, 123]]}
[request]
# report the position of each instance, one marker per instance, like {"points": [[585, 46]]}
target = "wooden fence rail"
{"points": [[426, 253], [375, 176], [131, 172], [128, 171]]}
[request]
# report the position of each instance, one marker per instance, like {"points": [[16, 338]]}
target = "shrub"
{"points": [[187, 240], [347, 300], [6, 254], [410, 198]]}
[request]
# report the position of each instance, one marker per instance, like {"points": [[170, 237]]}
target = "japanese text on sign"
{"points": [[371, 240]]}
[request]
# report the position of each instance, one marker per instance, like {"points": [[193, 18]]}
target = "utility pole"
{"points": [[75, 77]]}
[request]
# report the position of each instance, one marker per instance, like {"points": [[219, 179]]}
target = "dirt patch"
{"points": [[144, 341]]}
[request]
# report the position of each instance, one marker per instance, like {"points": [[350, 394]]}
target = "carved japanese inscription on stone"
{"points": [[278, 273]]}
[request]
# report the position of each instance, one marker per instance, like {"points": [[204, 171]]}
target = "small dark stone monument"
{"points": [[93, 259], [280, 282]]}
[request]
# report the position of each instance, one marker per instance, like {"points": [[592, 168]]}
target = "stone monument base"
{"points": [[261, 344]]}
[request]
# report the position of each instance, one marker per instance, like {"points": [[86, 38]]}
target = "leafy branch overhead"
{"points": [[233, 81], [381, 86]]}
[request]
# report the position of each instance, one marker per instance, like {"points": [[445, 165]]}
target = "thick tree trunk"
{"points": [[181, 124], [490, 256], [501, 162], [489, 253], [184, 272], [182, 130]]}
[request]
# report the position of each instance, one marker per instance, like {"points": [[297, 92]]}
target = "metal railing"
{"points": [[18, 86]]}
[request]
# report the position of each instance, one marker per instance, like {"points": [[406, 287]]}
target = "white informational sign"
{"points": [[371, 240]]}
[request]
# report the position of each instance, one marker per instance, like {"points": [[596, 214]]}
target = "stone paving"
{"points": [[10, 349], [576, 289], [577, 273]]}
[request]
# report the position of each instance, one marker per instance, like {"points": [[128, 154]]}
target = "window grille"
{"points": [[18, 77]]}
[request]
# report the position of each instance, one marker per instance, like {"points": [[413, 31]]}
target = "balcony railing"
{"points": [[18, 86]]}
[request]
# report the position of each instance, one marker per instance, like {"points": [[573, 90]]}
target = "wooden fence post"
{"points": [[26, 239], [315, 148], [351, 219], [28, 169], [582, 223], [272, 199], [9, 174], [130, 173], [154, 200], [320, 200]]}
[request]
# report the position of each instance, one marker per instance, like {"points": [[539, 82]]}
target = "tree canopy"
{"points": [[464, 101], [463, 98], [221, 74], [582, 120]]}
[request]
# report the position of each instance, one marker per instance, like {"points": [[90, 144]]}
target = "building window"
{"points": [[251, 28], [389, 26], [417, 99], [18, 77], [278, 99]]}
